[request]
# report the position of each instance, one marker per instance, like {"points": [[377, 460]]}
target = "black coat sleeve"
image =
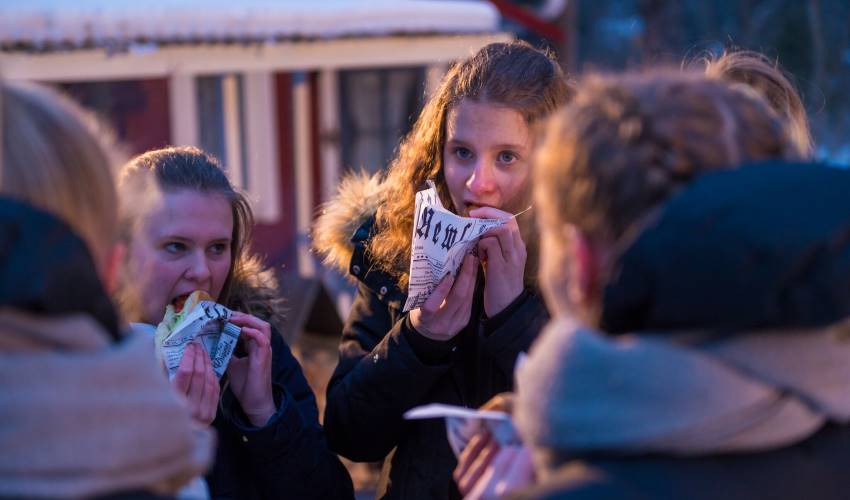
{"points": [[512, 331], [289, 456], [385, 368]]}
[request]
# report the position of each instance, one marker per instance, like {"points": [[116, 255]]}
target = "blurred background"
{"points": [[292, 94]]}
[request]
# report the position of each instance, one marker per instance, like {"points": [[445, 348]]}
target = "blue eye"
{"points": [[218, 248], [507, 157], [175, 247], [463, 153]]}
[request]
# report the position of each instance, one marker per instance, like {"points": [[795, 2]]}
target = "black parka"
{"points": [[386, 368], [288, 457]]}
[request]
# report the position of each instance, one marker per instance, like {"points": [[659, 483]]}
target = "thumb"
{"points": [[435, 300]]}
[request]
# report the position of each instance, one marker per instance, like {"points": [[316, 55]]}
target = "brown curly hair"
{"points": [[772, 82], [628, 142], [515, 75]]}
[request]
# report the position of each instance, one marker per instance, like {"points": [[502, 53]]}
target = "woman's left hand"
{"points": [[251, 375], [503, 254], [499, 471], [486, 470]]}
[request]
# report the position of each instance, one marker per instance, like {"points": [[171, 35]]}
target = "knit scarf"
{"points": [[582, 391], [82, 416]]}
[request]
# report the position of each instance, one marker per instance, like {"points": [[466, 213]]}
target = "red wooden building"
{"points": [[288, 94]]}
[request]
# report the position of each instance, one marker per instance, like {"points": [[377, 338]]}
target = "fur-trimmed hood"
{"points": [[357, 199]]}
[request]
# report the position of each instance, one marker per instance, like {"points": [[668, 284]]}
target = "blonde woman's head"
{"points": [[55, 157]]}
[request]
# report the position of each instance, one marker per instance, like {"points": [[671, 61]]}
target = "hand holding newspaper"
{"points": [[201, 319], [463, 423], [439, 242]]}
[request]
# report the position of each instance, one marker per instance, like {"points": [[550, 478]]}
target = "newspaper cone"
{"points": [[202, 320], [439, 242]]}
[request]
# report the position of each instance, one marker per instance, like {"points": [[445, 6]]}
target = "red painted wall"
{"points": [[276, 241], [136, 109]]}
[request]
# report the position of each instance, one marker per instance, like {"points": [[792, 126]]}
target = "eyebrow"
{"points": [[497, 146], [176, 237]]}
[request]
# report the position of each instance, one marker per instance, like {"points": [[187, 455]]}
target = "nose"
{"points": [[199, 268], [482, 180]]}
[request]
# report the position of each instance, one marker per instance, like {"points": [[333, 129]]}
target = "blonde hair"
{"points": [[514, 75], [58, 158], [772, 82], [628, 142]]}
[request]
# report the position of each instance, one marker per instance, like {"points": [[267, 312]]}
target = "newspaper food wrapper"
{"points": [[463, 423], [207, 323], [439, 242]]}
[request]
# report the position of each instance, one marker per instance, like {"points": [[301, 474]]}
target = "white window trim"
{"points": [[329, 131], [303, 172], [260, 178], [231, 111], [183, 110], [261, 140]]}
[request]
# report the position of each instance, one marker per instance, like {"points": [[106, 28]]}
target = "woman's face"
{"points": [[181, 244], [486, 157]]}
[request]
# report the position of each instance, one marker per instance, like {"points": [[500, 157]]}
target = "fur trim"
{"points": [[357, 199], [255, 290]]}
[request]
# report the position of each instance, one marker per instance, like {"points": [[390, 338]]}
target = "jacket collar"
{"points": [[364, 270], [761, 246]]}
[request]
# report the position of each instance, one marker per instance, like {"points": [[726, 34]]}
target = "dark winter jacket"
{"points": [[761, 250], [289, 456], [387, 368]]}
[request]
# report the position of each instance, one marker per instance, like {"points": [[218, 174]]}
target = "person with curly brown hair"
{"points": [[697, 274]]}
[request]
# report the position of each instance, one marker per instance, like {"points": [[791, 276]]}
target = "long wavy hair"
{"points": [[514, 75]]}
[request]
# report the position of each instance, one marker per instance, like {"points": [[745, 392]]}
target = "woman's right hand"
{"points": [[196, 380], [446, 312]]}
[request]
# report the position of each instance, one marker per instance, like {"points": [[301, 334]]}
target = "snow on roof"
{"points": [[46, 24]]}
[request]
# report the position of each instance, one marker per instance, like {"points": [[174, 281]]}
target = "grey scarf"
{"points": [[582, 391]]}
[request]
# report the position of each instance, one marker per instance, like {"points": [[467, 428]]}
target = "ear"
{"points": [[584, 266], [112, 267]]}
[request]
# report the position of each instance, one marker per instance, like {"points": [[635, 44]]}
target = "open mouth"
{"points": [[473, 206], [179, 301]]}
